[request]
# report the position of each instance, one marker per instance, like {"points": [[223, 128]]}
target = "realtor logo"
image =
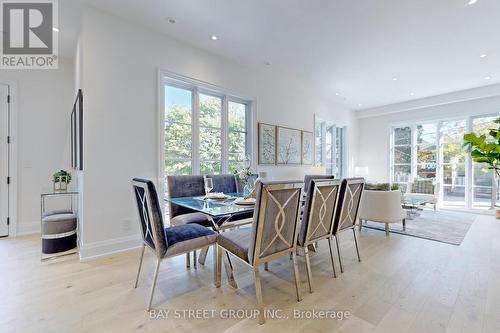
{"points": [[29, 34]]}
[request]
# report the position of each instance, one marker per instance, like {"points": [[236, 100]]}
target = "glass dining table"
{"points": [[220, 213]]}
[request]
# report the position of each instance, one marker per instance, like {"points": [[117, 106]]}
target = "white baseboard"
{"points": [[108, 247], [27, 228]]}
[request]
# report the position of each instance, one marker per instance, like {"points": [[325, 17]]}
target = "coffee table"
{"points": [[412, 207]]}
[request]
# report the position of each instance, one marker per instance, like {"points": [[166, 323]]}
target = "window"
{"points": [[205, 131], [330, 147], [435, 150], [401, 155], [178, 131]]}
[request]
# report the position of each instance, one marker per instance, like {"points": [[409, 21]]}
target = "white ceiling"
{"points": [[354, 48]]}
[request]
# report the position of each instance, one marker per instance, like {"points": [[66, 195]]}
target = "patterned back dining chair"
{"points": [[317, 221], [309, 178], [273, 234], [346, 213], [165, 242]]}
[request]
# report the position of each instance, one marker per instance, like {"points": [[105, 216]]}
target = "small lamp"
{"points": [[361, 171]]}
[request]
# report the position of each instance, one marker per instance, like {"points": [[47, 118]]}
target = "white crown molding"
{"points": [[433, 101]]}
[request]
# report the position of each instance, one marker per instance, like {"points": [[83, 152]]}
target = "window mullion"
{"points": [[224, 136], [196, 132]]}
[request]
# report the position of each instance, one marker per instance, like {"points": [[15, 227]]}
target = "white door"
{"points": [[4, 160]]}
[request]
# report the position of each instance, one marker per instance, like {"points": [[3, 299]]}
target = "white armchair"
{"points": [[383, 207], [422, 189]]}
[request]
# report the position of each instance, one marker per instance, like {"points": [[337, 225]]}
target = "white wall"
{"points": [[374, 131], [44, 101], [119, 72]]}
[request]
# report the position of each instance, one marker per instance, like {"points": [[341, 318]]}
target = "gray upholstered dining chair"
{"points": [[346, 213], [317, 221], [186, 186], [165, 242], [308, 178], [273, 234], [224, 183]]}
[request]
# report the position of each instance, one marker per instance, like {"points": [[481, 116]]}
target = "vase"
{"points": [[247, 190]]}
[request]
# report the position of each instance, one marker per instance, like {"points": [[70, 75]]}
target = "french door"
{"points": [[4, 160]]}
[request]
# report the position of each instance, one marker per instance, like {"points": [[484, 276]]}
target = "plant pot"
{"points": [[60, 186]]}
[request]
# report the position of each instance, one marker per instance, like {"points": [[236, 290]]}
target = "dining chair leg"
{"points": [[140, 266], [266, 266], [155, 277], [296, 274], [258, 294], [356, 243], [228, 265], [387, 229], [188, 260], [218, 274], [360, 224], [195, 265], [308, 269], [338, 252], [404, 224], [203, 255], [331, 257]]}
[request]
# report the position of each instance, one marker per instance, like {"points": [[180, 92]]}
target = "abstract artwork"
{"points": [[307, 148], [289, 145], [267, 144]]}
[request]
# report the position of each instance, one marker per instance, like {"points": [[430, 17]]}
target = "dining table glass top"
{"points": [[213, 207]]}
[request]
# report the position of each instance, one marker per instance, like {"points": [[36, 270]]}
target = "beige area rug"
{"points": [[446, 227]]}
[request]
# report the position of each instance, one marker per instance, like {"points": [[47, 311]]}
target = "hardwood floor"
{"points": [[403, 284]]}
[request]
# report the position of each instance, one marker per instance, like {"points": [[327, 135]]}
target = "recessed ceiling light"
{"points": [[411, 94], [214, 37], [360, 104], [171, 20], [55, 29], [337, 93], [394, 79], [267, 63], [483, 55], [487, 77], [472, 2]]}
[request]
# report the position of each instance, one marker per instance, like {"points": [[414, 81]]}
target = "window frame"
{"points": [[336, 126], [198, 87]]}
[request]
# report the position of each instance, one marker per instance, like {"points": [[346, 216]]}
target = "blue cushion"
{"points": [[184, 232]]}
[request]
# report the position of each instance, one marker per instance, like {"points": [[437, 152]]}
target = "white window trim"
{"points": [[345, 150], [198, 86]]}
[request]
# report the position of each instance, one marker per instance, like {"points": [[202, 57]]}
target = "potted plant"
{"points": [[61, 179], [243, 173], [486, 149]]}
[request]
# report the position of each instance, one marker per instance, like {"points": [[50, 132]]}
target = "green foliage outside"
{"points": [[178, 137]]}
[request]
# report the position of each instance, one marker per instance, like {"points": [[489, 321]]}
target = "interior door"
{"points": [[4, 160]]}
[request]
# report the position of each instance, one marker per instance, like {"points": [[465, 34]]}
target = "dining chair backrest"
{"points": [[308, 178], [275, 225], [319, 209], [184, 186], [150, 216], [224, 183], [346, 213]]}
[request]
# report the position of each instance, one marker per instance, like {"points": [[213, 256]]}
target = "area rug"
{"points": [[446, 227]]}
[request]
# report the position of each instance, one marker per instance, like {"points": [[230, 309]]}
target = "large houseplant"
{"points": [[486, 149]]}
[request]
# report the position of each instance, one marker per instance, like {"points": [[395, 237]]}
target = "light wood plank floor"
{"points": [[403, 284]]}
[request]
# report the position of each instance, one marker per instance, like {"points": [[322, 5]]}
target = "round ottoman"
{"points": [[58, 232]]}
